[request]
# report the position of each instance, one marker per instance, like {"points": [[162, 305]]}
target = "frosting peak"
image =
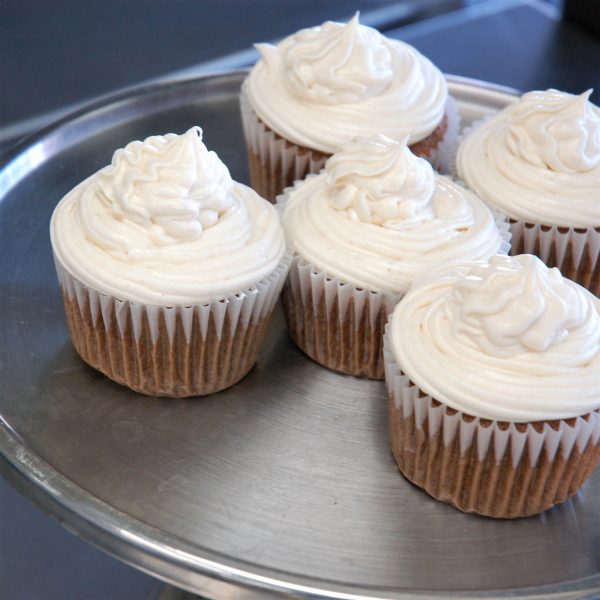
{"points": [[510, 340], [555, 130], [322, 87], [171, 186], [378, 217], [333, 63], [379, 180], [538, 160], [516, 304]]}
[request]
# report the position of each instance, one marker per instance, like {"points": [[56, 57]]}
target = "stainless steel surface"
{"points": [[283, 483]]}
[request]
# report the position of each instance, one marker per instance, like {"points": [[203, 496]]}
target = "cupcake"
{"points": [[376, 218], [493, 372], [322, 87], [538, 161], [169, 269]]}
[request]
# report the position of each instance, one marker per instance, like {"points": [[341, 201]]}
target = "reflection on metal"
{"points": [[284, 483]]}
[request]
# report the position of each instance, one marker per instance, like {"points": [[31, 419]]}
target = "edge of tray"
{"points": [[155, 552]]}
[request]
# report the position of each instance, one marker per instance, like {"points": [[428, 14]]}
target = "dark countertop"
{"points": [[60, 53], [56, 56], [39, 560], [518, 44]]}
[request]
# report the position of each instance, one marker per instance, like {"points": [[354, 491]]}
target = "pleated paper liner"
{"points": [[336, 324], [493, 468], [574, 250], [174, 351], [276, 163]]}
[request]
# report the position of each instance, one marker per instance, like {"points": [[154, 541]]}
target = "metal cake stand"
{"points": [[283, 484]]}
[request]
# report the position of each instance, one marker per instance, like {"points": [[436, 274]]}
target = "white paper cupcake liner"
{"points": [[317, 306], [336, 324], [493, 468], [276, 163], [574, 250], [171, 350]]}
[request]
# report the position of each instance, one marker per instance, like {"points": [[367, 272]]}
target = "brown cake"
{"points": [[362, 230], [169, 269], [492, 373]]}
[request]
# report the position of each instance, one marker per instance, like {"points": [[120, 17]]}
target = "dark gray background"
{"points": [[54, 54]]}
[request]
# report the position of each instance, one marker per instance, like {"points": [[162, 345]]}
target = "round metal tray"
{"points": [[282, 484]]}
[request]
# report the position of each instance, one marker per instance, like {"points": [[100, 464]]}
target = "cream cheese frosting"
{"points": [[539, 159], [378, 217], [326, 85], [508, 339], [164, 224]]}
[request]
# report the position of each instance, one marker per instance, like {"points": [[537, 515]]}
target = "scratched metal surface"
{"points": [[283, 483]]}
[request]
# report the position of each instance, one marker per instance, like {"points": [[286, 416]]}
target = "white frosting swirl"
{"points": [[165, 224], [169, 184], [378, 217], [555, 130], [378, 180], [539, 159], [509, 340], [324, 86], [336, 64]]}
